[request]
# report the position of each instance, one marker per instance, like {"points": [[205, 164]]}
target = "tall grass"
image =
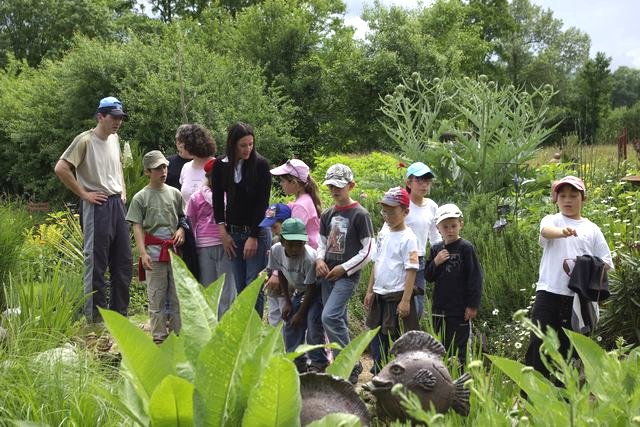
{"points": [[14, 219]]}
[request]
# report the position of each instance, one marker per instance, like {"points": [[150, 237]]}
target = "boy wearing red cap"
{"points": [[209, 249], [563, 236], [389, 297]]}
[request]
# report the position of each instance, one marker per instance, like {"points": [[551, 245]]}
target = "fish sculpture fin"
{"points": [[418, 341], [461, 399], [425, 379]]}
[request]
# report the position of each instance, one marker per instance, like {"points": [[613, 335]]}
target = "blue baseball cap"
{"points": [[419, 169], [111, 105], [276, 212]]}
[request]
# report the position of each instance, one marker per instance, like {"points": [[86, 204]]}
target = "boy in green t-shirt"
{"points": [[154, 214]]}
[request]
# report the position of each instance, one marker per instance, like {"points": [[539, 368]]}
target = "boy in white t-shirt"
{"points": [[563, 236], [389, 297]]}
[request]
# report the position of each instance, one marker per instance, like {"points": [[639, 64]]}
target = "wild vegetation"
{"points": [[485, 92]]}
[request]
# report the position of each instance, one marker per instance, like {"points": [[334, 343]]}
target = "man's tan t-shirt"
{"points": [[98, 162]]}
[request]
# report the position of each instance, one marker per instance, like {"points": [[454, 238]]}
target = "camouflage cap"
{"points": [[338, 175]]}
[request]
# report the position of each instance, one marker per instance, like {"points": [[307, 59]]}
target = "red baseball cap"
{"points": [[396, 196]]}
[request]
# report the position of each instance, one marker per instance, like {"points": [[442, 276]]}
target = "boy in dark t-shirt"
{"points": [[454, 267], [344, 248]]}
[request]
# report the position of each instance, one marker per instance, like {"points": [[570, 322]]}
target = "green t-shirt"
{"points": [[158, 211]]}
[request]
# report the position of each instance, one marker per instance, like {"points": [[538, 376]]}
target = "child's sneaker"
{"points": [[355, 373]]}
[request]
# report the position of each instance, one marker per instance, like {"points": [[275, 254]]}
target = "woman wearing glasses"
{"points": [[242, 177]]}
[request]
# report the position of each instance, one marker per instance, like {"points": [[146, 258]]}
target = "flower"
{"points": [[495, 312], [518, 345], [401, 165]]}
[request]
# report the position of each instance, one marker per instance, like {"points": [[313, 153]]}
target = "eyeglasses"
{"points": [[293, 170]]}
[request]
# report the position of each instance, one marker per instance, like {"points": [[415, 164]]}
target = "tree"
{"points": [[37, 29], [593, 94], [625, 87]]}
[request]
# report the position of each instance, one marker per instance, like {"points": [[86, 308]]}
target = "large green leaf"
{"points": [[349, 356], [259, 350], [544, 401], [171, 403], [337, 420], [598, 369], [213, 292], [197, 317], [147, 364], [173, 347], [219, 397], [275, 400]]}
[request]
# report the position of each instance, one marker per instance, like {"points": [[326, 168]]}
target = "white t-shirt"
{"points": [[422, 221], [396, 252], [589, 241], [191, 179], [299, 271]]}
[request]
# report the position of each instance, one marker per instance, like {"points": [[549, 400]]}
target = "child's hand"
{"points": [[368, 300], [178, 237], [442, 257], [403, 308], [336, 273], [286, 310], [296, 319], [470, 313], [321, 268], [569, 231], [273, 284], [146, 261], [229, 245]]}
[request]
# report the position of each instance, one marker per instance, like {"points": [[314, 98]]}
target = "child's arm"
{"points": [[474, 283], [432, 269], [138, 235], [309, 295], [368, 297], [321, 267], [404, 306], [551, 232], [284, 290]]}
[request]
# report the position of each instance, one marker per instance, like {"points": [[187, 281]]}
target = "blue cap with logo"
{"points": [[419, 169], [111, 105], [276, 212]]}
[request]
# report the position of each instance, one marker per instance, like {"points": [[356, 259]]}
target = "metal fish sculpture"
{"points": [[324, 394], [418, 366]]}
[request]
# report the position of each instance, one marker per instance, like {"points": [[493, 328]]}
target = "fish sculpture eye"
{"points": [[396, 369]]}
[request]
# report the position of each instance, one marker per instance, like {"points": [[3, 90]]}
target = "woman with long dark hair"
{"points": [[242, 176]]}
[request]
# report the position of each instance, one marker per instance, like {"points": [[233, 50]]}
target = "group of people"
{"points": [[313, 257]]}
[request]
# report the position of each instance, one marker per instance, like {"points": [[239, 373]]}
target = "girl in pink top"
{"points": [[211, 257], [295, 179]]}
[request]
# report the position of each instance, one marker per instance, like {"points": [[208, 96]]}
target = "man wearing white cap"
{"points": [[91, 167]]}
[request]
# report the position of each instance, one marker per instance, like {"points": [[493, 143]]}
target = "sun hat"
{"points": [[419, 169], [293, 167], [573, 181], [294, 229], [447, 211], [396, 196], [338, 175], [276, 212], [153, 159], [111, 105]]}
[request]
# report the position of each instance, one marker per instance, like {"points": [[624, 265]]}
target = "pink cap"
{"points": [[293, 167], [573, 181]]}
